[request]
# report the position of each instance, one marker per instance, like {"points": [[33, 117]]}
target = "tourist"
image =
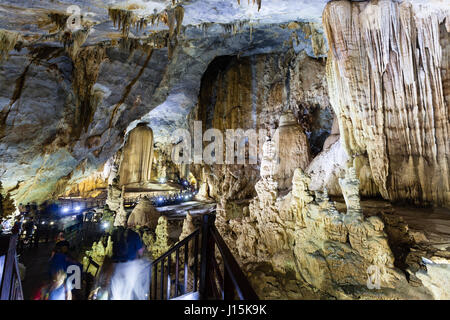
{"points": [[58, 288], [124, 276], [29, 230]]}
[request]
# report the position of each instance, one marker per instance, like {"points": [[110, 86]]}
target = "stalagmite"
{"points": [[161, 244], [144, 215], [293, 149], [387, 88], [137, 157], [114, 196], [120, 219], [188, 226]]}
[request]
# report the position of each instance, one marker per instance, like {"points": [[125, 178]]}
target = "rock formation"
{"points": [[303, 234], [98, 252], [114, 197], [188, 226], [361, 113], [144, 215], [253, 92], [137, 157], [437, 279], [162, 243], [115, 203], [390, 94], [121, 214], [292, 149]]}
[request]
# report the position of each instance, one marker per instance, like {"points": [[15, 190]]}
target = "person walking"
{"points": [[126, 275]]}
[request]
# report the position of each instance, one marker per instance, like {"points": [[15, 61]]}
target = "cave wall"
{"points": [[55, 136], [137, 157], [388, 82], [254, 92], [66, 110]]}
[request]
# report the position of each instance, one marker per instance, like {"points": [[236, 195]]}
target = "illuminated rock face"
{"points": [[303, 234], [293, 149], [144, 215], [120, 220], [389, 86], [66, 104], [137, 157], [254, 93]]}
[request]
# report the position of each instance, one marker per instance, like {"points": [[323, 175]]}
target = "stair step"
{"points": [[188, 296]]}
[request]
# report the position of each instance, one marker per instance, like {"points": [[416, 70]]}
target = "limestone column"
{"points": [[292, 149], [136, 163]]}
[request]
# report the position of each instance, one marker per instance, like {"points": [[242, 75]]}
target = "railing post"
{"points": [[206, 256]]}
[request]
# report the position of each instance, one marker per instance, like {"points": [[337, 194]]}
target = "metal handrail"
{"points": [[232, 282], [239, 280], [166, 273], [176, 246], [11, 286]]}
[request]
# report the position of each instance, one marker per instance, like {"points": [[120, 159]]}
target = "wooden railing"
{"points": [[211, 279], [11, 286]]}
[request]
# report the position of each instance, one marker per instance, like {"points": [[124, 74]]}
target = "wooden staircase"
{"points": [[178, 275]]}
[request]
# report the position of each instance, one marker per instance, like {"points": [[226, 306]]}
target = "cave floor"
{"points": [[434, 224], [429, 227]]}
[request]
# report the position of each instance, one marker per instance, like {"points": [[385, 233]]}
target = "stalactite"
{"points": [[179, 15], [312, 32], [172, 18], [258, 2], [385, 79], [205, 26], [8, 40], [235, 27], [74, 40], [171, 22], [171, 48], [86, 68], [136, 164], [122, 18]]}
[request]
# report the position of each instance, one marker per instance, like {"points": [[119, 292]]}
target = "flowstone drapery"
{"points": [[387, 72]]}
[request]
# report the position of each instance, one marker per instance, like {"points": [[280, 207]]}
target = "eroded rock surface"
{"points": [[389, 90], [144, 215], [327, 253]]}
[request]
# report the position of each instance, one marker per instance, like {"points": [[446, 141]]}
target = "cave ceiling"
{"points": [[67, 106]]}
